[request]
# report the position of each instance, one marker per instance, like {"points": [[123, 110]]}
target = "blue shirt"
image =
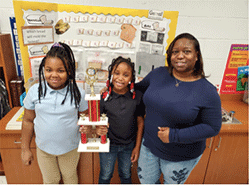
{"points": [[192, 111], [55, 125]]}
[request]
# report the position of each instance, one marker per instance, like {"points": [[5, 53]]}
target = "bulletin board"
{"points": [[95, 34]]}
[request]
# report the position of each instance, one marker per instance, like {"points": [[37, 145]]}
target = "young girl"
{"points": [[51, 110], [125, 111]]}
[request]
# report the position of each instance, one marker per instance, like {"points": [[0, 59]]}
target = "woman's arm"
{"points": [[143, 84], [27, 134], [210, 122], [136, 150]]}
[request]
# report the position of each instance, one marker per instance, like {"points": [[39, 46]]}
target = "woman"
{"points": [[183, 109]]}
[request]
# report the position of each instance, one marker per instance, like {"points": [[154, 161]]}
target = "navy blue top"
{"points": [[192, 111], [122, 112]]}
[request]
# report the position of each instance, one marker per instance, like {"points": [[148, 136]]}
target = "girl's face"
{"points": [[122, 75], [184, 56], [55, 73]]}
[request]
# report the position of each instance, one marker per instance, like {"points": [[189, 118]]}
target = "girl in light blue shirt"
{"points": [[52, 108]]}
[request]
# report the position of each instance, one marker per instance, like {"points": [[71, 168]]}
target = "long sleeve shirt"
{"points": [[192, 111]]}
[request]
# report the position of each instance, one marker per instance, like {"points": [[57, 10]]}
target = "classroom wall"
{"points": [[216, 23]]}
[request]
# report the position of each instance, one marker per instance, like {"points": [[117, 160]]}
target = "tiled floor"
{"points": [[3, 180]]}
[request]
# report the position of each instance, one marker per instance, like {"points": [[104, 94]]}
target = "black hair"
{"points": [[114, 64], [198, 68], [63, 52]]}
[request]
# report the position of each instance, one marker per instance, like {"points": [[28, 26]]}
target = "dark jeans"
{"points": [[107, 163]]}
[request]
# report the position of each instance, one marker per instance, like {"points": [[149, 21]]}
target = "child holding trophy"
{"points": [[51, 111], [125, 111]]}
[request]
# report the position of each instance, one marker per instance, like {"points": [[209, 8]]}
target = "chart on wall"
{"points": [[95, 34], [235, 79]]}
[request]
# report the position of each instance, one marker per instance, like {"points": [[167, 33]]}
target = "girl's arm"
{"points": [[85, 129], [27, 134], [136, 150], [102, 130], [83, 112], [83, 109]]}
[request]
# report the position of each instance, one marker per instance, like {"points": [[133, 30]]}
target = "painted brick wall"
{"points": [[216, 23]]}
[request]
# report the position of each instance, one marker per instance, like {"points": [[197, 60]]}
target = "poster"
{"points": [[236, 71], [96, 35], [242, 78]]}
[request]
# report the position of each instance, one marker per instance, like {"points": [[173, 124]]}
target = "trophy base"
{"points": [[94, 145]]}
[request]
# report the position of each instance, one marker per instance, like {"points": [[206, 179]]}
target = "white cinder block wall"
{"points": [[216, 23]]}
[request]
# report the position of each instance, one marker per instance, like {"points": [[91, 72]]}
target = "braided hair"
{"points": [[65, 54], [114, 64]]}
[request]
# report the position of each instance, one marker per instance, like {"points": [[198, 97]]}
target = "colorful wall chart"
{"points": [[95, 34], [237, 69]]}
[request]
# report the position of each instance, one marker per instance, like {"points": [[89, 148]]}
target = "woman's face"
{"points": [[55, 73], [184, 56]]}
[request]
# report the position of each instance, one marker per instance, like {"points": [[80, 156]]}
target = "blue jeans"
{"points": [[107, 163], [150, 168]]}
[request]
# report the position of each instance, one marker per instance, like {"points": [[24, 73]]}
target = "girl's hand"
{"points": [[135, 155], [163, 134], [102, 130], [27, 156], [86, 129], [103, 90]]}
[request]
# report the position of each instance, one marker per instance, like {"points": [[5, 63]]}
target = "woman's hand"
{"points": [[135, 154], [163, 134], [101, 130], [27, 156], [86, 129]]}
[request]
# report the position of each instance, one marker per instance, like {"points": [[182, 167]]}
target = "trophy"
{"points": [[94, 118]]}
